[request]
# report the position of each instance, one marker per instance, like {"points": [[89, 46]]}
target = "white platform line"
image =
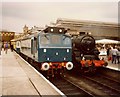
{"points": [[117, 69], [62, 94]]}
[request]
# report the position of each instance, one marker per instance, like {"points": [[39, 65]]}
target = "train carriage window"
{"points": [[18, 44]]}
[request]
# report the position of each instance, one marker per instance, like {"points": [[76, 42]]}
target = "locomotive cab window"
{"points": [[55, 39], [66, 40], [44, 39]]}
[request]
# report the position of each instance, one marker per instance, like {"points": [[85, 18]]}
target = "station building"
{"points": [[32, 30], [97, 29], [6, 36]]}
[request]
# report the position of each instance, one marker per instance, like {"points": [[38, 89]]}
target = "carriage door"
{"points": [[32, 45]]}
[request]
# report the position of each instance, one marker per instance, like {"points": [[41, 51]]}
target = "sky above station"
{"points": [[17, 13]]}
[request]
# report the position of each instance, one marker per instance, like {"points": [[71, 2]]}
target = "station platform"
{"points": [[112, 65], [18, 78]]}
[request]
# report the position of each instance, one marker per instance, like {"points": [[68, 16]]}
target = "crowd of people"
{"points": [[113, 54], [0, 47], [5, 46]]}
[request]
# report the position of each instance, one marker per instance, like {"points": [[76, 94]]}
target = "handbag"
{"points": [[109, 58]]}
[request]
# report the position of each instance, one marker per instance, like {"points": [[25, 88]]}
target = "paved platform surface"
{"points": [[18, 78], [111, 65]]}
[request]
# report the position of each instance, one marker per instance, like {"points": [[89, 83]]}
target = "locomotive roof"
{"points": [[58, 30], [48, 30], [26, 37]]}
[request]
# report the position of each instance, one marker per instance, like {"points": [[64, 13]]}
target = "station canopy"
{"points": [[107, 41]]}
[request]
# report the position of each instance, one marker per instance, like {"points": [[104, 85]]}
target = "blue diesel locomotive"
{"points": [[50, 50]]}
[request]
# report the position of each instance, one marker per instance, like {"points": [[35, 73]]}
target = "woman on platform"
{"points": [[118, 55]]}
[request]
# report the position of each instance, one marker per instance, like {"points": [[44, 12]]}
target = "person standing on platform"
{"points": [[0, 47], [108, 51], [6, 47], [118, 55], [114, 55], [109, 56], [11, 46]]}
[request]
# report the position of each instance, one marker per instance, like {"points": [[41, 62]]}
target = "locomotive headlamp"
{"points": [[69, 65], [48, 58], [64, 58], [51, 30], [44, 50], [56, 53], [60, 30], [67, 50]]}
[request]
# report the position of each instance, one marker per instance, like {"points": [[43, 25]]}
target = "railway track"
{"points": [[98, 84], [106, 81], [70, 89], [109, 87], [91, 86], [67, 87], [113, 74]]}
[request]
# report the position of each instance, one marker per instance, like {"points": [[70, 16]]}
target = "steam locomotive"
{"points": [[49, 50], [85, 54]]}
